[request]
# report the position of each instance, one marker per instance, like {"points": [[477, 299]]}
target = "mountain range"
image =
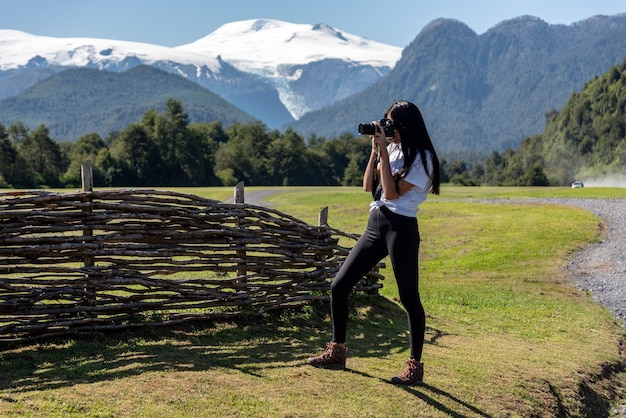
{"points": [[484, 92], [274, 70], [477, 92]]}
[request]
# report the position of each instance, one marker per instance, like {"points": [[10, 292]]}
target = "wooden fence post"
{"points": [[241, 254], [322, 219], [86, 171], [239, 193]]}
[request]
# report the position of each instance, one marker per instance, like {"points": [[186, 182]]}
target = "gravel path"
{"points": [[256, 197], [601, 268]]}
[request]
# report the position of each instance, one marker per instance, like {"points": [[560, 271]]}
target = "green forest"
{"points": [[586, 139], [165, 149]]}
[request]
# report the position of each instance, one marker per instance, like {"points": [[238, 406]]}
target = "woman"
{"points": [[407, 169]]}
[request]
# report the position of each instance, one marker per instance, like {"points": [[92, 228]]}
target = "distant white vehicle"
{"points": [[577, 185]]}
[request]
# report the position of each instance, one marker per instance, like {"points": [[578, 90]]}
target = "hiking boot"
{"points": [[334, 357], [412, 374]]}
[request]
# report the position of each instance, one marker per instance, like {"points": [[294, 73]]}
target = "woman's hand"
{"points": [[378, 139]]}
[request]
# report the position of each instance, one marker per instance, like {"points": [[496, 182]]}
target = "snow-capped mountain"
{"points": [[281, 53], [254, 64], [19, 49]]}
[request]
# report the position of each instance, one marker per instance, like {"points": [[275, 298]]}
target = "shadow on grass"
{"points": [[427, 394], [282, 339], [418, 392]]}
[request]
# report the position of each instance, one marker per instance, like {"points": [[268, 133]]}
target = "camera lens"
{"points": [[367, 128]]}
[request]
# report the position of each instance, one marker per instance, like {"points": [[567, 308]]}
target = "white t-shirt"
{"points": [[407, 204]]}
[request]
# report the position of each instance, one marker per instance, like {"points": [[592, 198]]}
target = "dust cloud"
{"points": [[616, 180]]}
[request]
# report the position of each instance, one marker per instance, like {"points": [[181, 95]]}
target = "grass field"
{"points": [[508, 334]]}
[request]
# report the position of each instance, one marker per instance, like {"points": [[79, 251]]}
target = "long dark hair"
{"points": [[409, 122]]}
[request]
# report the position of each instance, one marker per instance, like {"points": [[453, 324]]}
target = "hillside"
{"points": [[587, 139], [80, 100], [484, 92]]}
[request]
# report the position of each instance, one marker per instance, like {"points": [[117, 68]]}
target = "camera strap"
{"points": [[377, 194], [377, 188]]}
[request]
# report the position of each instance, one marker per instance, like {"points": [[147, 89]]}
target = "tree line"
{"points": [[165, 149]]}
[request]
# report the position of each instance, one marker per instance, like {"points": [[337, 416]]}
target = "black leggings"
{"points": [[386, 234]]}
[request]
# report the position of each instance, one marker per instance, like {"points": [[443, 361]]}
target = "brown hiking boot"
{"points": [[412, 374], [334, 357]]}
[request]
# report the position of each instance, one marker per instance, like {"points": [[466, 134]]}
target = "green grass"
{"points": [[508, 334], [532, 192]]}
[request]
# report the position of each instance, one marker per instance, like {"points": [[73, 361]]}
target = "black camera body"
{"points": [[370, 128]]}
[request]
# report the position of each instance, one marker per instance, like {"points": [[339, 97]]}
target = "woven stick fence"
{"points": [[102, 260]]}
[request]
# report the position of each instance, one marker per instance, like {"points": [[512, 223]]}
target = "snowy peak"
{"points": [[270, 43], [330, 30], [17, 49], [300, 60]]}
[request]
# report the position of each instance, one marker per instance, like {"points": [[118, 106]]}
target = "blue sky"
{"points": [[171, 23]]}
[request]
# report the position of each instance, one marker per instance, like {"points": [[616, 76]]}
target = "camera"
{"points": [[370, 128]]}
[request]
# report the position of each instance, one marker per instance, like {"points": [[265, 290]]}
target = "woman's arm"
{"points": [[370, 170]]}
